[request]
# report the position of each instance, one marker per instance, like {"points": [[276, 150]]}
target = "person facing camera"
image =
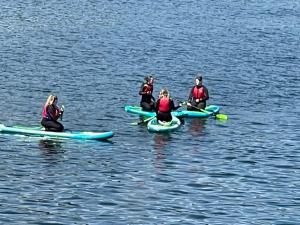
{"points": [[198, 95], [51, 113]]}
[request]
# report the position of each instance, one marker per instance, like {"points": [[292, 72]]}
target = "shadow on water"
{"points": [[196, 126], [161, 140], [50, 147], [160, 145]]}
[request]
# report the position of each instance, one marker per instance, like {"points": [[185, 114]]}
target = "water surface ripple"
{"points": [[94, 54]]}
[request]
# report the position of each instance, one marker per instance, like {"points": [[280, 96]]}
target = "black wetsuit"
{"points": [[196, 106], [147, 101], [165, 116], [49, 122]]}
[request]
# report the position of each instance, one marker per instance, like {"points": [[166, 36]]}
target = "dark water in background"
{"points": [[94, 54]]}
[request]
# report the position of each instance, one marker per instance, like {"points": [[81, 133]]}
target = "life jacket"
{"points": [[55, 115], [198, 93], [148, 88], [164, 105]]}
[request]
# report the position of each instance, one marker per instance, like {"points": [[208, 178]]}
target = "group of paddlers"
{"points": [[165, 104]]}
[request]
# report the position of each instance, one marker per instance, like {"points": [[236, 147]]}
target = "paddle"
{"points": [[217, 115], [143, 121], [62, 112]]}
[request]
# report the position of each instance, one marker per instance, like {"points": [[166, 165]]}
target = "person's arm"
{"points": [[189, 101], [157, 105], [141, 92], [191, 95], [206, 95], [152, 98], [50, 112], [54, 112], [172, 105]]}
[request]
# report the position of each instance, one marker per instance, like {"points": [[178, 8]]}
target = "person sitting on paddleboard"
{"points": [[146, 90], [198, 96], [164, 106], [51, 113]]}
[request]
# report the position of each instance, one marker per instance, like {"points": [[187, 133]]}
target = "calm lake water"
{"points": [[94, 55]]}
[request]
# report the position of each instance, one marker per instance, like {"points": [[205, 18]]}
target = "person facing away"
{"points": [[51, 113], [198, 96], [164, 106], [146, 90]]}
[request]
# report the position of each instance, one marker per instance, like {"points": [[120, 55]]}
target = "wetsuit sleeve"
{"points": [[191, 95], [172, 105], [206, 94], [157, 105], [51, 111], [152, 98], [141, 92]]}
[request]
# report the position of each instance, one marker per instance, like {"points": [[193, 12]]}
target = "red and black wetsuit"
{"points": [[147, 101], [198, 97], [50, 115], [164, 107]]}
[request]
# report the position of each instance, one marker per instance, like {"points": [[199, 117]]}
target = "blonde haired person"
{"points": [[164, 106], [51, 113]]}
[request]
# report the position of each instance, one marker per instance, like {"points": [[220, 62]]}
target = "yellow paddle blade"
{"points": [[221, 116], [217, 115]]}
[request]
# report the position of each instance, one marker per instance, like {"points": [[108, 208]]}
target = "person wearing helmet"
{"points": [[146, 90], [198, 95]]}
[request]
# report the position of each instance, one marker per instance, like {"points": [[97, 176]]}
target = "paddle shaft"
{"points": [[144, 121], [62, 112], [217, 115], [203, 110]]}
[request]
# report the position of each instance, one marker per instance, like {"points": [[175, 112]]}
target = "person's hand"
{"points": [[61, 111], [62, 108]]}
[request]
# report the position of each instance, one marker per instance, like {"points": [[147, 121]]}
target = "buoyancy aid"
{"points": [[164, 105], [198, 93], [44, 113], [148, 88], [54, 115]]}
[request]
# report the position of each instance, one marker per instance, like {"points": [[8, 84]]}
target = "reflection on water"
{"points": [[161, 140], [50, 147], [160, 143], [196, 126]]}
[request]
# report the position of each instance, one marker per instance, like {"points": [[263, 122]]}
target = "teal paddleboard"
{"points": [[209, 110], [40, 131], [156, 126]]}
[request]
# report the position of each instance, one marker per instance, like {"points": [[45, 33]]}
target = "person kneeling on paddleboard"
{"points": [[198, 96], [164, 106], [51, 113], [146, 90]]}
